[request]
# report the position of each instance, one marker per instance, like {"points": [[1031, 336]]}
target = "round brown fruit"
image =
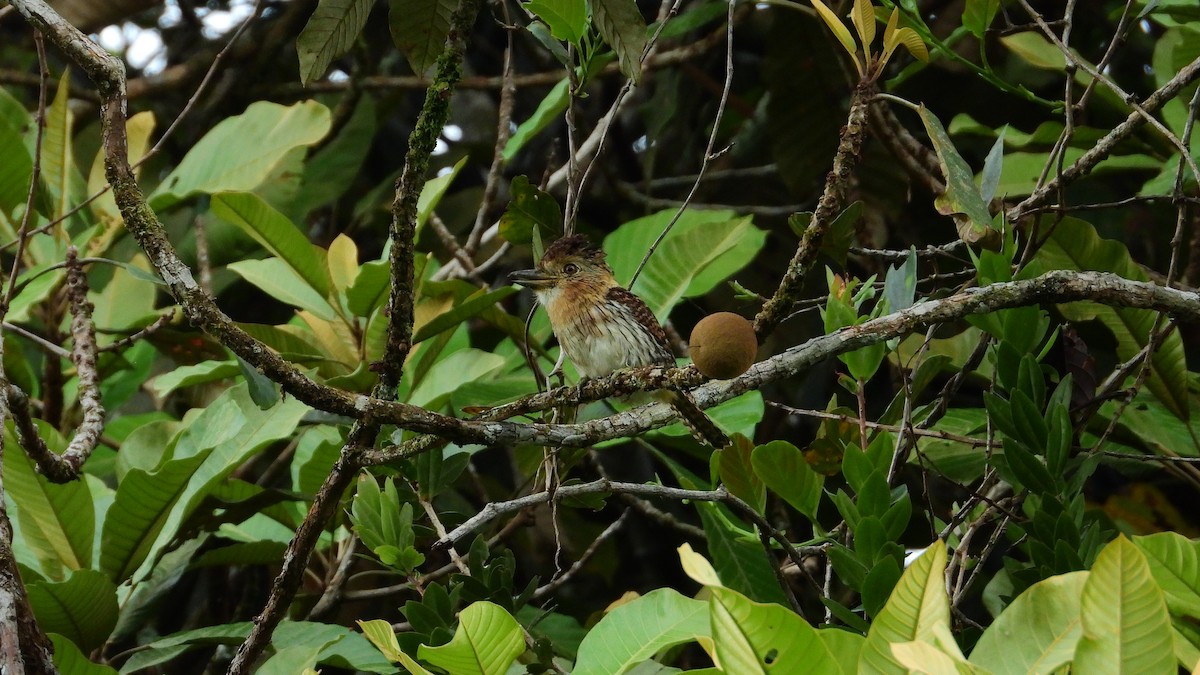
{"points": [[723, 345]]}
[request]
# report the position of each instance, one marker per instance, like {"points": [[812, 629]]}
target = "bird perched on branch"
{"points": [[603, 327]]}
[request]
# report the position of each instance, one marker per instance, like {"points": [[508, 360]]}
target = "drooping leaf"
{"points": [[470, 307], [435, 188], [419, 29], [1175, 565], [488, 639], [259, 428], [329, 33], [83, 608], [271, 129], [621, 25], [637, 630], [344, 647], [380, 633], [962, 199], [1126, 628], [277, 234]]}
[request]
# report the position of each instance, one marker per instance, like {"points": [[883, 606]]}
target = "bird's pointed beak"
{"points": [[535, 279]]}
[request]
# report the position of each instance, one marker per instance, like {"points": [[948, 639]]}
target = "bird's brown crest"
{"points": [[574, 246]]}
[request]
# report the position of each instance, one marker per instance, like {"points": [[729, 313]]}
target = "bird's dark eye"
{"points": [[570, 268]]}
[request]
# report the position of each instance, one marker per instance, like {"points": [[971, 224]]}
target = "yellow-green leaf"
{"points": [[835, 24], [864, 22]]}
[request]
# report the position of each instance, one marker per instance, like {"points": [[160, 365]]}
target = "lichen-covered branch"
{"points": [[1053, 287], [832, 198]]}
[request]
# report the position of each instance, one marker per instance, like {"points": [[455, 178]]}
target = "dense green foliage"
{"points": [[916, 484]]}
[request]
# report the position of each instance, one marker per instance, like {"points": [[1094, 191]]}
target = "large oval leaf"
{"points": [[1038, 632], [83, 608], [215, 163], [1125, 624], [639, 629], [751, 637], [488, 639], [703, 249]]}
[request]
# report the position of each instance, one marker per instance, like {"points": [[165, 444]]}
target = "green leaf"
{"points": [[738, 556], [452, 371], [962, 199], [553, 105], [273, 131], [845, 647], [17, 167], [978, 15], [1038, 632], [733, 464], [370, 288], [703, 249], [1126, 628], [258, 429], [59, 172], [344, 648], [567, 19], [277, 234], [1035, 49], [277, 278], [190, 376], [70, 661], [1175, 565], [918, 610], [435, 188], [751, 637], [137, 516], [380, 633], [329, 33], [291, 660], [419, 29], [638, 629], [529, 207], [621, 25], [57, 520], [488, 639], [1075, 245], [783, 468], [83, 608], [262, 389]]}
